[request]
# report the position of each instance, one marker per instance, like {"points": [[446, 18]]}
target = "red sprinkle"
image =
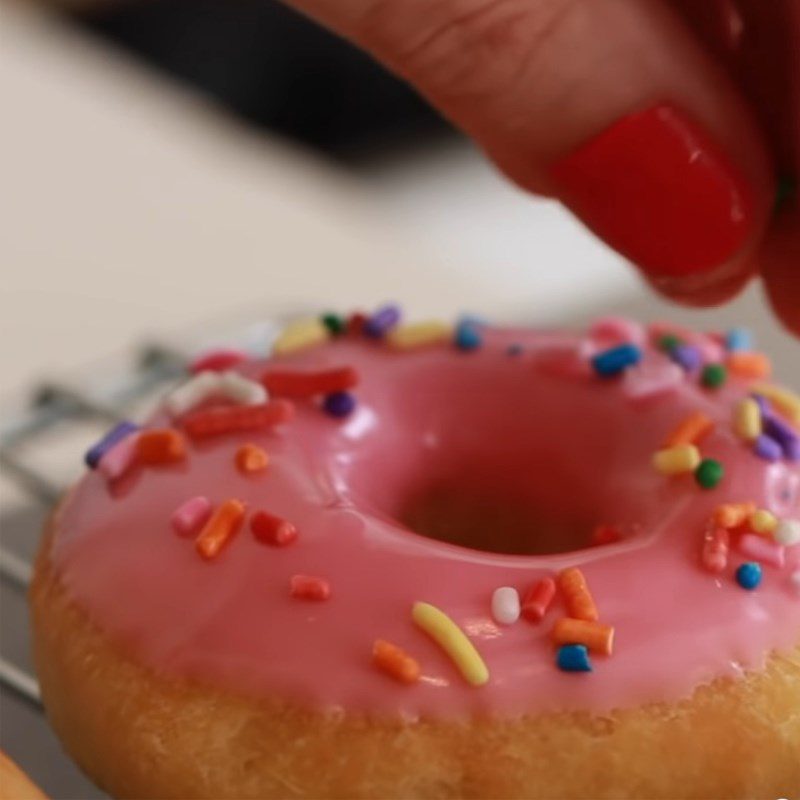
{"points": [[308, 587], [272, 530], [715, 550], [355, 323], [160, 446], [217, 360], [237, 419], [537, 599], [606, 534], [291, 383]]}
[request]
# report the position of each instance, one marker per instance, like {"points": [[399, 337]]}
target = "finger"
{"points": [[610, 105]]}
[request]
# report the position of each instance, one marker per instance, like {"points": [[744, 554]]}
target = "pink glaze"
{"points": [[575, 447]]}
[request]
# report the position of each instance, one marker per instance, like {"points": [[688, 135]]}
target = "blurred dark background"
{"points": [[273, 68]]}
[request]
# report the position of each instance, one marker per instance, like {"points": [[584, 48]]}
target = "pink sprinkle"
{"points": [[611, 331], [119, 459], [308, 587], [715, 550], [763, 550], [651, 379], [217, 360], [189, 517]]}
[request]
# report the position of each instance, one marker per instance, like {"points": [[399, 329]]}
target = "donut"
{"points": [[401, 559], [14, 783]]}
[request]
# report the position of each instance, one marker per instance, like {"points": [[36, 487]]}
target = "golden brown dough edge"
{"points": [[140, 734]]}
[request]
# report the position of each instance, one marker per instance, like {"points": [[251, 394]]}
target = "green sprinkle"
{"points": [[709, 473], [669, 342], [714, 376], [334, 323], [786, 191]]}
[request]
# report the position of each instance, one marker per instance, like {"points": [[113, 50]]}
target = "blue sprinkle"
{"points": [[99, 449], [615, 361], [748, 576], [339, 404], [739, 339], [382, 321], [515, 350], [687, 356], [573, 658], [468, 337]]}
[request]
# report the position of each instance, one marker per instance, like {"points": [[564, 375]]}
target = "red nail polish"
{"points": [[659, 189]]}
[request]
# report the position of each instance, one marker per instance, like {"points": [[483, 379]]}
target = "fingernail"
{"points": [[659, 189]]}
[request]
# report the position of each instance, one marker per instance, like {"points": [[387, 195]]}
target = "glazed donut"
{"points": [[425, 560]]}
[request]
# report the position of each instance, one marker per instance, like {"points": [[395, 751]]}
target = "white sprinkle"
{"points": [[788, 532], [242, 390], [505, 605], [206, 384]]}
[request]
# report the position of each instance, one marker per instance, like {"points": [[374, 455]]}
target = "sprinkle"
{"points": [[309, 587], [787, 532], [160, 446], [100, 448], [577, 596], [468, 336], [241, 390], [788, 402], [763, 522], [709, 473], [453, 641], [217, 421], [714, 557], [119, 459], [784, 435], [573, 658], [714, 376], [291, 383], [395, 662], [250, 458], [687, 356], [339, 404], [382, 321], [606, 534], [505, 605], [273, 530], [763, 550], [748, 576], [749, 365], [204, 385], [419, 334], [767, 448], [739, 339], [747, 421], [668, 342], [217, 360], [691, 430], [355, 323], [538, 599], [617, 330], [335, 323], [301, 335], [515, 350], [615, 361], [189, 517], [597, 637], [677, 460], [733, 515], [220, 528]]}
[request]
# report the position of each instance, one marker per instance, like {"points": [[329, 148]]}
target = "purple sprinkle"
{"points": [[767, 448], [778, 430], [763, 404], [339, 404], [382, 321], [687, 356], [99, 449]]}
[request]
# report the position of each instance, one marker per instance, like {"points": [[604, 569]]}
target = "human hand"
{"points": [[667, 126]]}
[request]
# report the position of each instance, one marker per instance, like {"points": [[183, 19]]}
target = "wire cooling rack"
{"points": [[41, 447]]}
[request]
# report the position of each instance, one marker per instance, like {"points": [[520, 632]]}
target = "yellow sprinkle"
{"points": [[747, 421], [419, 334], [453, 641], [787, 401], [299, 335], [677, 460], [763, 522]]}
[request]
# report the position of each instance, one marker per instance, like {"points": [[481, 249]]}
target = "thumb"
{"points": [[609, 105]]}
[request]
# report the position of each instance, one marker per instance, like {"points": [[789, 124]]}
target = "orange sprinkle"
{"points": [[691, 430], [577, 595], [160, 446], [750, 365], [250, 458], [220, 528], [598, 638], [733, 515], [395, 662]]}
